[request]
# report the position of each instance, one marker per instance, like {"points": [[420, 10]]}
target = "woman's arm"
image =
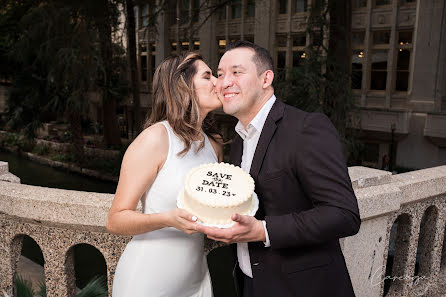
{"points": [[140, 166]]}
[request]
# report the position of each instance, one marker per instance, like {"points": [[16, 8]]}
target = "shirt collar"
{"points": [[257, 123]]}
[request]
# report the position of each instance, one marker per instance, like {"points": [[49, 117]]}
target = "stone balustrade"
{"points": [[403, 224]]}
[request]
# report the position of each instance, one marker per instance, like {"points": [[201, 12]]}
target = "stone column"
{"points": [[162, 36], [208, 41], [59, 272], [265, 24], [391, 56], [366, 73], [427, 52], [8, 260]]}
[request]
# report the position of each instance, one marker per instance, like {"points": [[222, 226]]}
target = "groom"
{"points": [[291, 248]]}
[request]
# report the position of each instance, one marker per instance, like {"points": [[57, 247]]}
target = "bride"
{"points": [[165, 256]]}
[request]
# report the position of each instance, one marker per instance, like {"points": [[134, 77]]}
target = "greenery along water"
{"points": [[31, 173]]}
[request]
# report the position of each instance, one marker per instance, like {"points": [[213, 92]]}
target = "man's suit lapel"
{"points": [[268, 131], [236, 151]]}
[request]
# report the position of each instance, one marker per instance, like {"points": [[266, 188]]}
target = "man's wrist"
{"points": [[261, 236]]}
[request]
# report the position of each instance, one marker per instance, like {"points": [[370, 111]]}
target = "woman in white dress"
{"points": [[165, 256]]}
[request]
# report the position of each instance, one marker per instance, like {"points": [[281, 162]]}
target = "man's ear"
{"points": [[268, 77]]}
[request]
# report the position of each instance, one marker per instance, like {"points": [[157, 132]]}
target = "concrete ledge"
{"points": [[9, 177], [362, 177], [421, 184], [4, 168], [378, 200], [54, 205]]}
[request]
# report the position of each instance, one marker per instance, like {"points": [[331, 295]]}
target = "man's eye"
{"points": [[219, 74]]}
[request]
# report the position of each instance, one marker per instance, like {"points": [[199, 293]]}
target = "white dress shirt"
{"points": [[250, 136]]}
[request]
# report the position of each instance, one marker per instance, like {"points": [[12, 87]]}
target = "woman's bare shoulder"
{"points": [[151, 142]]}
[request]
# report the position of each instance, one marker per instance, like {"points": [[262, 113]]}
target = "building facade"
{"points": [[398, 61]]}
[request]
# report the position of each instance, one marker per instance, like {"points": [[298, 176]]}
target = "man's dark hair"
{"points": [[261, 57]]}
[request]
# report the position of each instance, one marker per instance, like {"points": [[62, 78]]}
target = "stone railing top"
{"points": [[3, 167], [378, 193], [5, 175], [54, 206], [362, 177], [402, 189]]}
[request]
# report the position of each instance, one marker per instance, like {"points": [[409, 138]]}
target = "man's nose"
{"points": [[227, 81]]}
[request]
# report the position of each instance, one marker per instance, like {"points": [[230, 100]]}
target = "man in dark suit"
{"points": [[306, 201]]}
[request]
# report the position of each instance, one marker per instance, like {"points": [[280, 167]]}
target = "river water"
{"points": [[32, 173]]}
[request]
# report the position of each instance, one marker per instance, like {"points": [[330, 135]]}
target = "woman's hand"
{"points": [[182, 220]]}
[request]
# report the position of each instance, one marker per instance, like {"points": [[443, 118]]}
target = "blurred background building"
{"points": [[398, 61]]}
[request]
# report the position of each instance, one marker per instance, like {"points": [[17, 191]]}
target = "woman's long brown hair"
{"points": [[174, 100]]}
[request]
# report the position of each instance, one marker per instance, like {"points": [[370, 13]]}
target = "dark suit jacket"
{"points": [[308, 203]]}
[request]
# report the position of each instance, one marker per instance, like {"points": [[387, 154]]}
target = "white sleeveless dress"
{"points": [[166, 262]]}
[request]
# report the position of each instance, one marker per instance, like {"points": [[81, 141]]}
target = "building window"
{"points": [[184, 11], [249, 38], [357, 64], [196, 46], [381, 37], [404, 38], [281, 49], [173, 47], [357, 58], [152, 65], [359, 3], [184, 45], [379, 70], [281, 60], [299, 40], [371, 155], [144, 68], [402, 70], [236, 9], [403, 61], [135, 14], [358, 39], [408, 2], [251, 8], [299, 55], [298, 58], [382, 2], [300, 5], [221, 48], [195, 10], [222, 10], [283, 6], [145, 15], [281, 41]]}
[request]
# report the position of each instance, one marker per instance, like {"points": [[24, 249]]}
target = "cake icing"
{"points": [[213, 192]]}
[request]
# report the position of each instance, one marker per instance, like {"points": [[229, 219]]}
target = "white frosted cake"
{"points": [[213, 192]]}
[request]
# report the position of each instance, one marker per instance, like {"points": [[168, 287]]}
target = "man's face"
{"points": [[238, 85]]}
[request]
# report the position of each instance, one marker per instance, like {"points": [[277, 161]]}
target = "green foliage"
{"points": [[320, 83], [41, 149], [42, 290], [96, 287], [111, 166], [24, 287], [62, 157], [57, 60], [16, 142]]}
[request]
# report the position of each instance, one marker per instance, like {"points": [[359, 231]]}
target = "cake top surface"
{"points": [[219, 184]]}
